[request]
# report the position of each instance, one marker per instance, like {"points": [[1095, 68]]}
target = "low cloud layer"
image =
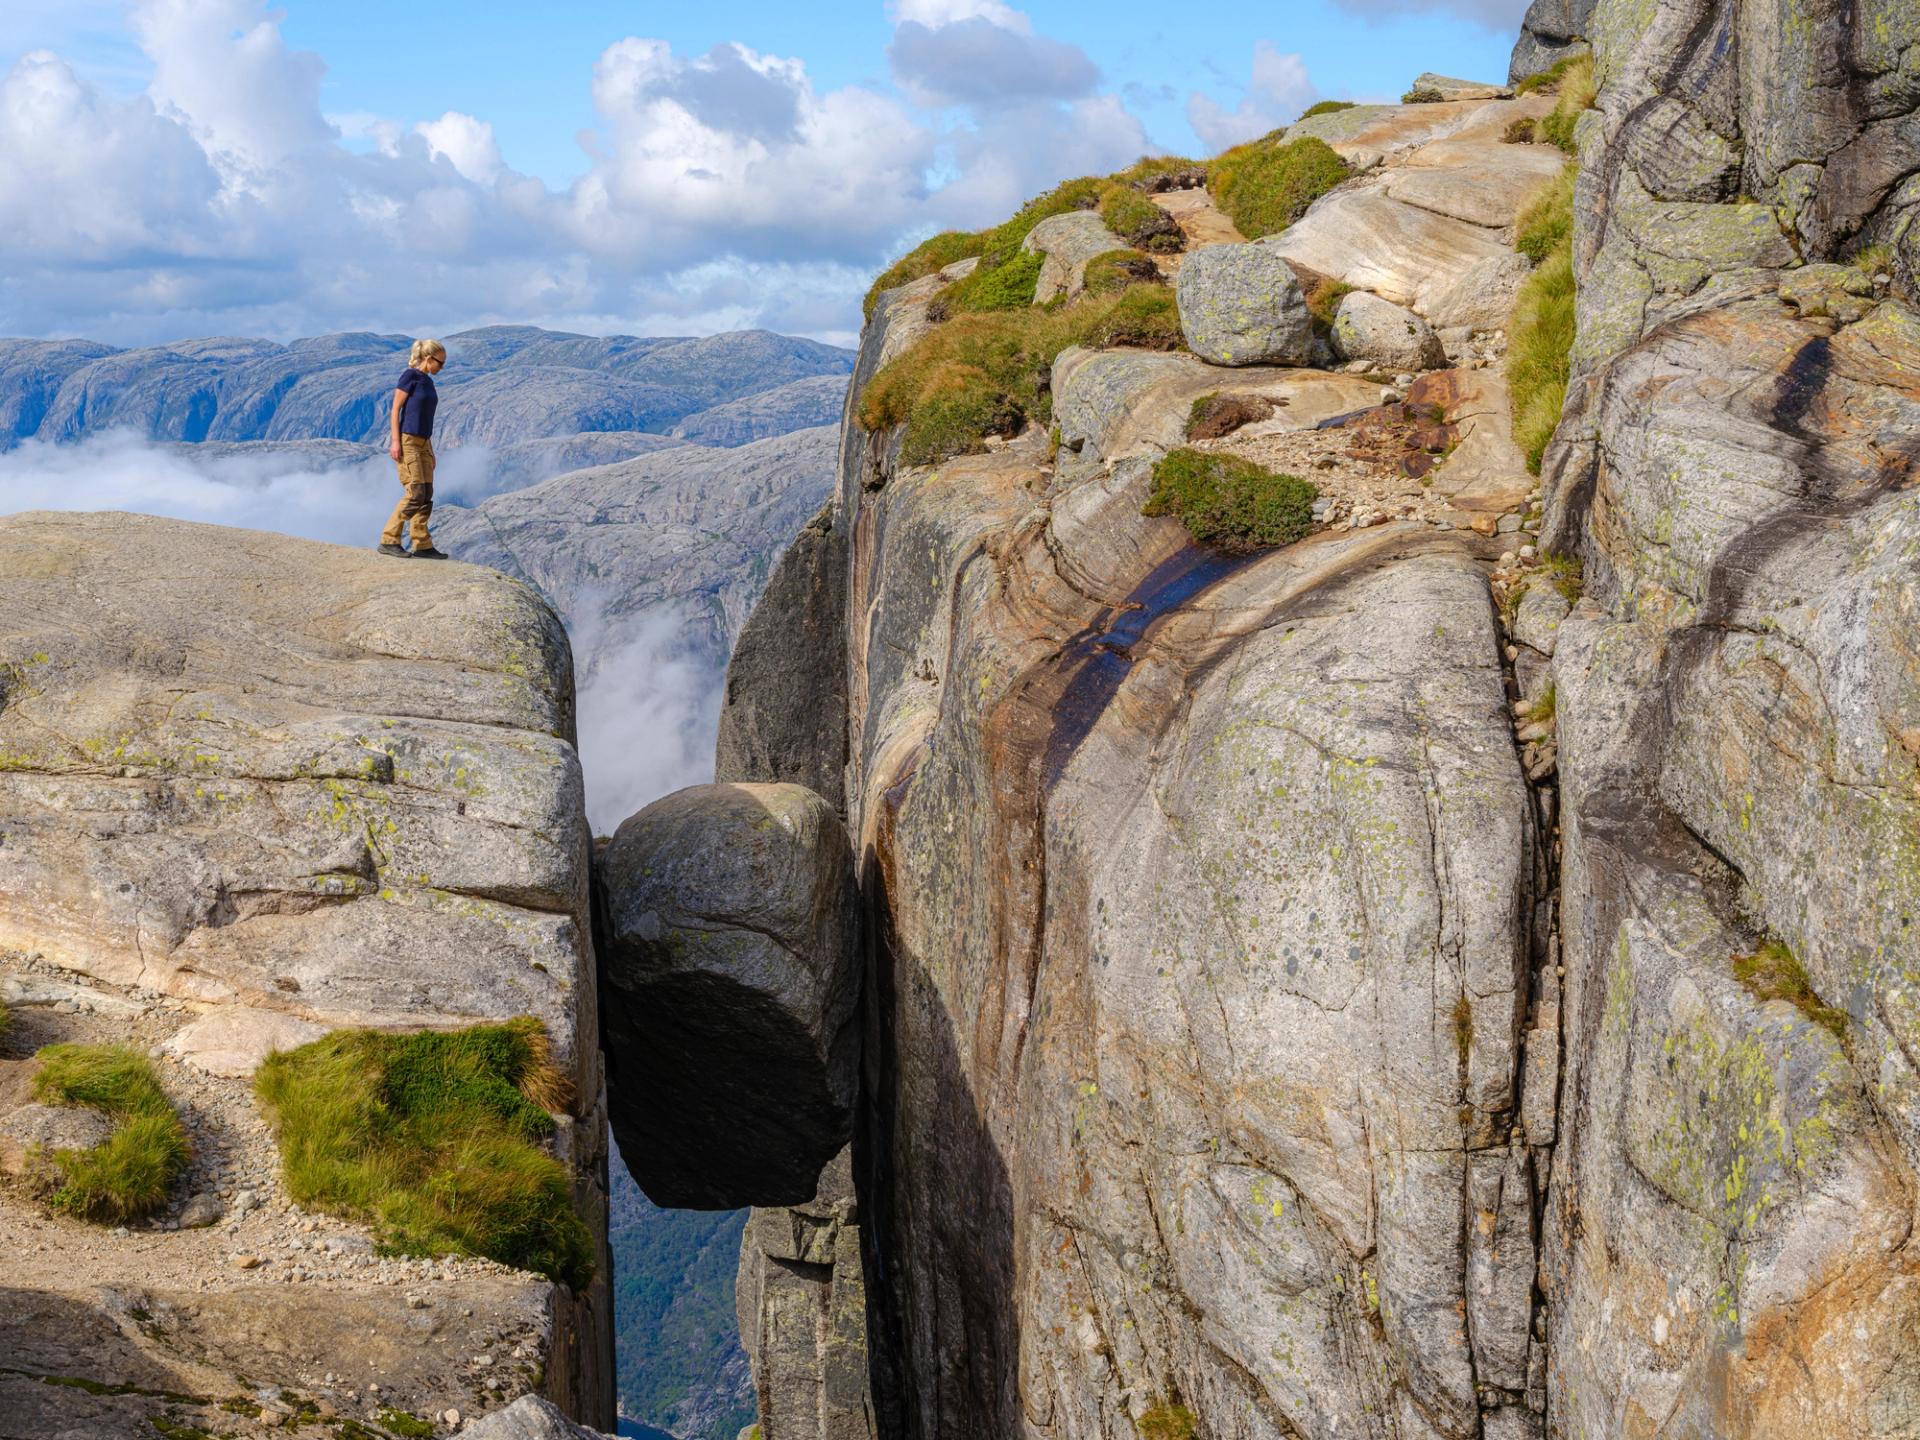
{"points": [[718, 189]]}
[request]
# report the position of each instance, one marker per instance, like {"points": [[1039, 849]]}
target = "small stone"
{"points": [[450, 1417], [1482, 524], [1403, 381], [246, 1262], [1389, 396], [1507, 524], [200, 1212], [1527, 552], [1507, 557]]}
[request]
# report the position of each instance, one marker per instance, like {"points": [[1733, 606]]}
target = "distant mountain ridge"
{"points": [[504, 384]]}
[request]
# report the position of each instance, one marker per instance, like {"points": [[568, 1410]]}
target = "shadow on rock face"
{"points": [[725, 926]]}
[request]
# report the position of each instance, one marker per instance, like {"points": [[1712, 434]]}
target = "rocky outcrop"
{"points": [[785, 716], [797, 405], [251, 787], [727, 928], [1068, 242], [1729, 1244], [1552, 30], [802, 1301]]}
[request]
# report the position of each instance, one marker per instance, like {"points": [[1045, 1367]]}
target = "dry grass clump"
{"points": [[924, 259], [434, 1138], [1576, 94], [1264, 187], [1230, 502], [130, 1173], [1548, 79], [1422, 95], [1325, 107], [1545, 223]]}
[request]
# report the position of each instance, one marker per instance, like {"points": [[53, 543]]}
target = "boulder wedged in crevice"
{"points": [[725, 919]]}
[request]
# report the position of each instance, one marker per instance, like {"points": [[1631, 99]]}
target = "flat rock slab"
{"points": [[246, 769], [1486, 472], [233, 1041], [1401, 252], [1199, 219], [1450, 88], [531, 1417], [729, 981]]}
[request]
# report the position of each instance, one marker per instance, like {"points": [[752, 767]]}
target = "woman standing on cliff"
{"points": [[414, 401]]}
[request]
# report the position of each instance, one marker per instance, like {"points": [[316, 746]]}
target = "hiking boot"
{"points": [[394, 550], [431, 554]]}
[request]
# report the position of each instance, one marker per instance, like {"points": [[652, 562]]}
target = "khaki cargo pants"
{"points": [[416, 474]]}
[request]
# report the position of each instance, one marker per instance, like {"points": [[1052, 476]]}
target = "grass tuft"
{"points": [[1541, 331], [1325, 107], [924, 259], [1423, 95], [1229, 502], [1576, 91], [1545, 223], [1523, 131], [990, 373], [1773, 972], [1264, 187], [130, 1173], [1874, 260], [1563, 573], [1463, 1028], [1006, 286], [1548, 79], [1323, 295], [435, 1138], [1114, 271], [1138, 221]]}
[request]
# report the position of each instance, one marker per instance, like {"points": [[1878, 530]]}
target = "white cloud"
{"points": [[1496, 15], [1280, 89], [464, 141], [224, 200]]}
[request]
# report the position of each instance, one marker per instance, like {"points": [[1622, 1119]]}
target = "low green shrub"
{"points": [[1523, 131], [1149, 166], [990, 373], [924, 259], [1006, 286], [1576, 91], [1264, 187], [1545, 223], [435, 1138], [1422, 95], [1325, 107], [1773, 972], [1230, 502], [130, 1173]]}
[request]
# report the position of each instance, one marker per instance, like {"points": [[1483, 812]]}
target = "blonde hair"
{"points": [[425, 350]]}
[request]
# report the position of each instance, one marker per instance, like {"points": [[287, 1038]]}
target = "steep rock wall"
{"points": [[1729, 1246], [1203, 931]]}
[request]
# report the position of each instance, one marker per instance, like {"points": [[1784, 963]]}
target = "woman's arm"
{"points": [[399, 404]]}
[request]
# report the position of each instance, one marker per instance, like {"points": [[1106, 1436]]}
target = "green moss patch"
{"points": [[131, 1172], [990, 373], [1229, 502], [1773, 972], [435, 1138], [1164, 1420], [1325, 107], [1264, 187]]}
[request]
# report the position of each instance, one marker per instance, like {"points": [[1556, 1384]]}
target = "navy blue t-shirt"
{"points": [[416, 416]]}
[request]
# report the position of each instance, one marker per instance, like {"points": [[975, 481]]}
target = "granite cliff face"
{"points": [[253, 790], [1730, 1231], [1264, 1034]]}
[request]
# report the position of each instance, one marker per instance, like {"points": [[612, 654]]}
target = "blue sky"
{"points": [[647, 167]]}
